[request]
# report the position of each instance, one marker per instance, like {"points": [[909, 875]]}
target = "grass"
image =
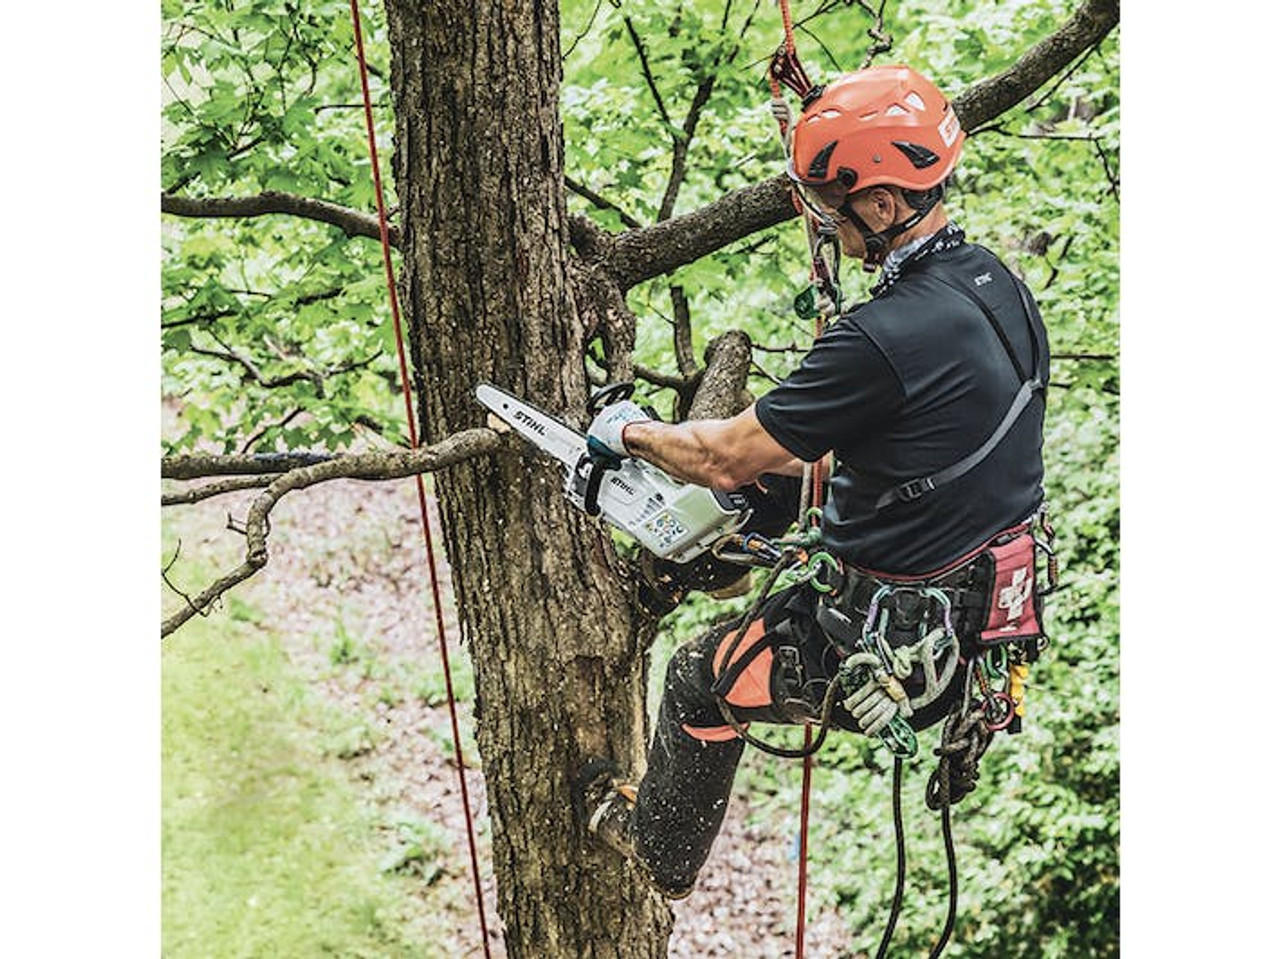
{"points": [[269, 848]]}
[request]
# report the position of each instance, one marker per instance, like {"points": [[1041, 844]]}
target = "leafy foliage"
{"points": [[277, 329], [276, 334]]}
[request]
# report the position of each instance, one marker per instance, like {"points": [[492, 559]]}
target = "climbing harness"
{"points": [[990, 596], [883, 679], [424, 514]]}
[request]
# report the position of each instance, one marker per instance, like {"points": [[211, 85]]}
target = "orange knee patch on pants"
{"points": [[751, 689], [713, 734]]}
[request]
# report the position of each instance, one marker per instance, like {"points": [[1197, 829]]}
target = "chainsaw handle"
{"points": [[610, 393], [606, 395], [591, 495]]}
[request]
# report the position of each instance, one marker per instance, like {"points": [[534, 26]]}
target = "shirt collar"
{"points": [[947, 238]]}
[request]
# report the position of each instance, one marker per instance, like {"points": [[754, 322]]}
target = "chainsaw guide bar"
{"points": [[673, 520]]}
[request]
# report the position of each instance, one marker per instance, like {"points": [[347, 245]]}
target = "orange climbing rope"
{"points": [[424, 513]]}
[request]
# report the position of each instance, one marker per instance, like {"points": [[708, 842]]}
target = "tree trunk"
{"points": [[559, 653]]}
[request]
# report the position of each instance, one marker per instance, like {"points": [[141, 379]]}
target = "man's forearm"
{"points": [[721, 454], [685, 450]]}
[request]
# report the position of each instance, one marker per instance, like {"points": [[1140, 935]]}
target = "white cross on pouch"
{"points": [[1013, 596]]}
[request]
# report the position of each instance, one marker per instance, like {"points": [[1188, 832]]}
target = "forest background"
{"points": [[95, 788]]}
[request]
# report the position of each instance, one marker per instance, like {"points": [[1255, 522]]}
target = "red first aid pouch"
{"points": [[1014, 603]]}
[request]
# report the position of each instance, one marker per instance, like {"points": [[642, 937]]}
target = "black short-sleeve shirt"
{"points": [[908, 384]]}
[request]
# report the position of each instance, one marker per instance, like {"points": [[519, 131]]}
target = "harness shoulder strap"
{"points": [[914, 489]]}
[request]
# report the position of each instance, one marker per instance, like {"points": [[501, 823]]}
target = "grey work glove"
{"points": [[604, 436]]}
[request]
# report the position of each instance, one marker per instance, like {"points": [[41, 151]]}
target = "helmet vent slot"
{"points": [[818, 166], [915, 100], [920, 156], [896, 111]]}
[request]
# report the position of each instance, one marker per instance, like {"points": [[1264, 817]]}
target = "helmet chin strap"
{"points": [[877, 243]]}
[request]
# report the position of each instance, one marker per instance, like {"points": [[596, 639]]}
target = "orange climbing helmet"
{"points": [[886, 125]]}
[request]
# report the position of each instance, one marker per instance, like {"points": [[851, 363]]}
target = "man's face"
{"points": [[851, 242]]}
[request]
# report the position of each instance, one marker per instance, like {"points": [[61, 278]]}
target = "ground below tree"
{"points": [[346, 590]]}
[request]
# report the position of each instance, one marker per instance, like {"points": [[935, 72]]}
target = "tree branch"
{"points": [[316, 377], [682, 333], [203, 465], [383, 465], [600, 202], [989, 98], [278, 425], [209, 490], [639, 255], [351, 222], [881, 41], [255, 375], [648, 74], [680, 145], [668, 381], [724, 381], [304, 300]]}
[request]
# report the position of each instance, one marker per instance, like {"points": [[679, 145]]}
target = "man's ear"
{"points": [[886, 206]]}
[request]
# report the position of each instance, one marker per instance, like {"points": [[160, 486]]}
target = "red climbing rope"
{"points": [[785, 69], [424, 513], [803, 855], [818, 476]]}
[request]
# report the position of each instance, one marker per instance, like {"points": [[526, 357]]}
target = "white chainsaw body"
{"points": [[671, 519]]}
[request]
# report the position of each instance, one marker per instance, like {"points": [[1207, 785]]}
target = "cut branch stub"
{"points": [[720, 394]]}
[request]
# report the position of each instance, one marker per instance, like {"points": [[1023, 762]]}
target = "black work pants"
{"points": [[784, 663]]}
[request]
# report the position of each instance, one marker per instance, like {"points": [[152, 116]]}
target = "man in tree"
{"points": [[927, 396]]}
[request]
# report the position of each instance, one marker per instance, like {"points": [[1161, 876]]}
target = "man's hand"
{"points": [[604, 437]]}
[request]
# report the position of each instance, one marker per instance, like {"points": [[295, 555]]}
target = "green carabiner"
{"points": [[900, 738], [996, 662], [816, 561]]}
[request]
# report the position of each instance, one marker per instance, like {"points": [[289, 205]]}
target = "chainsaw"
{"points": [[671, 519]]}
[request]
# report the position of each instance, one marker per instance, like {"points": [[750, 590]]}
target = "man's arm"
{"points": [[720, 454]]}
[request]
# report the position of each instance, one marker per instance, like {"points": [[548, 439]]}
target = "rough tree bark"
{"points": [[558, 646], [500, 284], [557, 649]]}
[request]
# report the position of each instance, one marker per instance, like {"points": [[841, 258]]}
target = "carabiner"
{"points": [[1000, 706], [995, 662], [899, 738], [811, 570]]}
